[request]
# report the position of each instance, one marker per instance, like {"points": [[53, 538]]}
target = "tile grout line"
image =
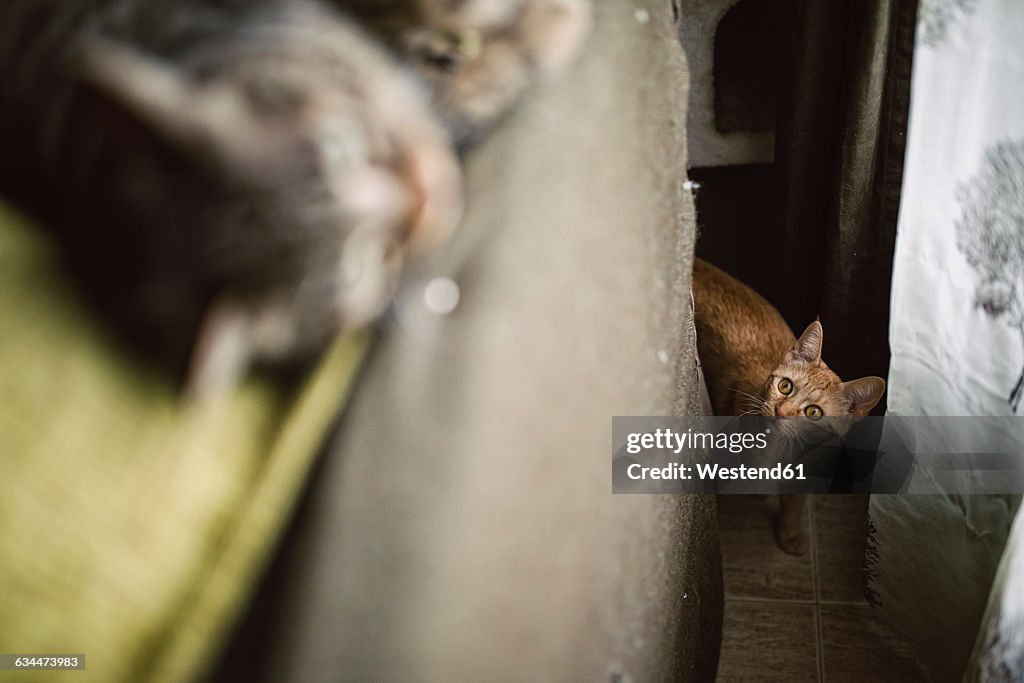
{"points": [[818, 658], [812, 520], [816, 600], [771, 601], [798, 601]]}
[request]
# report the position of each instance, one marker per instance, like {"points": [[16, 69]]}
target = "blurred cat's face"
{"points": [[300, 164], [478, 57], [803, 387], [351, 171], [366, 178]]}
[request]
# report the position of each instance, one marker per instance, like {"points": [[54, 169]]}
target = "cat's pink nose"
{"points": [[785, 410]]}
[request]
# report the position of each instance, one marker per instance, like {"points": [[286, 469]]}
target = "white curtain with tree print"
{"points": [[957, 330]]}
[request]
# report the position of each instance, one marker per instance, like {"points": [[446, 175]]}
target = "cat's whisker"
{"points": [[782, 448], [751, 404], [805, 445], [752, 397]]}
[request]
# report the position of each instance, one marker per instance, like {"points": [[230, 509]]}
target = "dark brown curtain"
{"points": [[814, 231], [844, 96]]}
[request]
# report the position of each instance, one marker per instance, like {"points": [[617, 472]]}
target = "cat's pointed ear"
{"points": [[863, 394], [204, 120], [222, 353], [808, 346]]}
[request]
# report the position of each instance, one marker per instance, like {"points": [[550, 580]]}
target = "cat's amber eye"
{"points": [[813, 412], [785, 386]]}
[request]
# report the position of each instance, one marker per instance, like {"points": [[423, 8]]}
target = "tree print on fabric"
{"points": [[990, 234]]}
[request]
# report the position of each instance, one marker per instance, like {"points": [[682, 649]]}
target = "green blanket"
{"points": [[133, 526]]}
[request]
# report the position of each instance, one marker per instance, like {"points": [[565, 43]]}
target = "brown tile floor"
{"points": [[803, 618]]}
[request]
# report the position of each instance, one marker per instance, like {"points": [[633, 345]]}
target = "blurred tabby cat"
{"points": [[238, 177], [754, 364], [233, 180]]}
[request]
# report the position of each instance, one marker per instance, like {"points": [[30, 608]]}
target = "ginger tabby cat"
{"points": [[753, 362]]}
